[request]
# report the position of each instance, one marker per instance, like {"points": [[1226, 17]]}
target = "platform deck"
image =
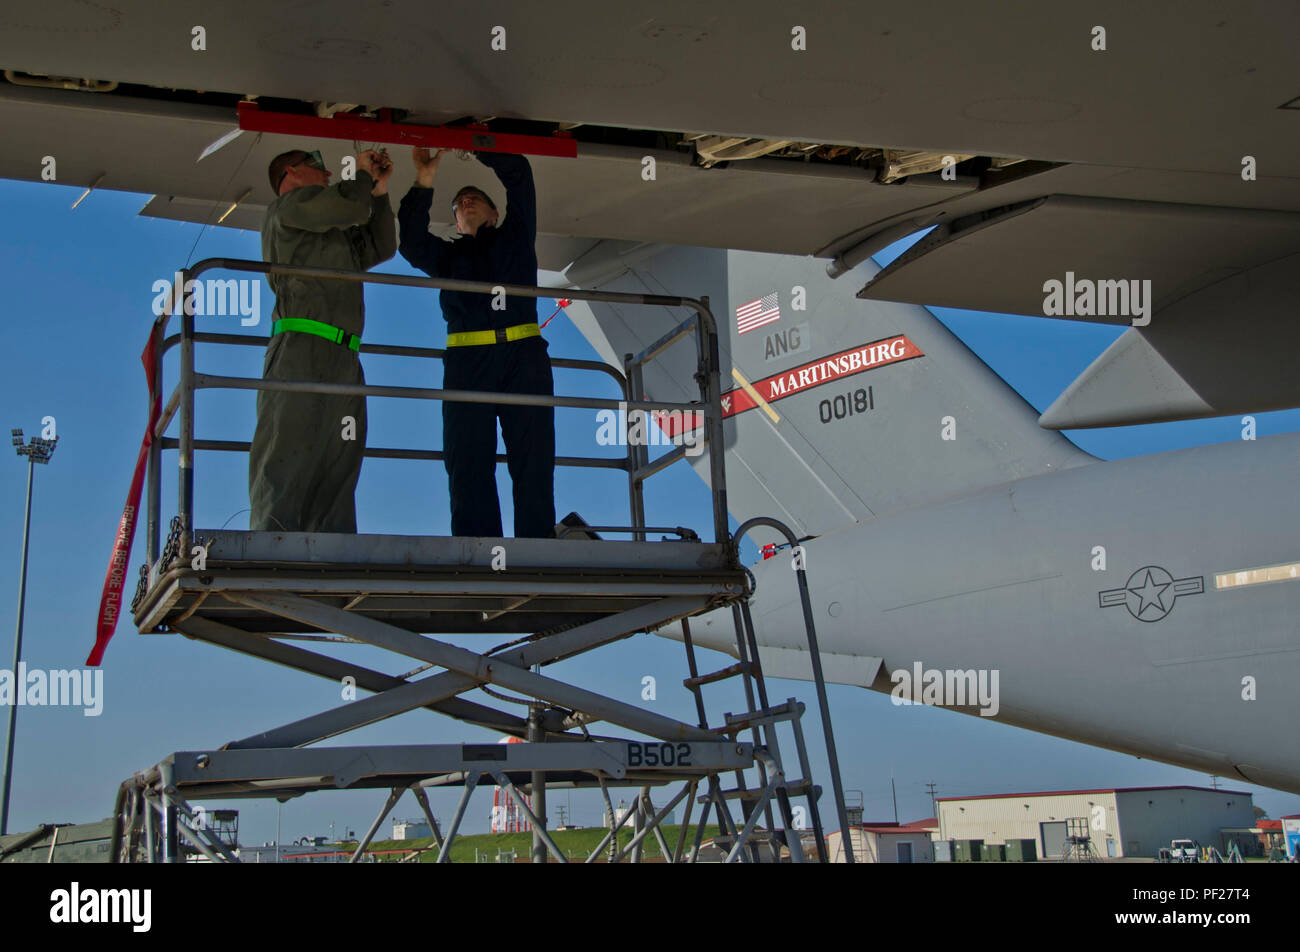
{"points": [[435, 585]]}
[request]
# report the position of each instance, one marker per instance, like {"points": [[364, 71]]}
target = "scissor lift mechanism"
{"points": [[259, 592]]}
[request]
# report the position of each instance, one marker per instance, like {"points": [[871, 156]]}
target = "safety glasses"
{"points": [[467, 196]]}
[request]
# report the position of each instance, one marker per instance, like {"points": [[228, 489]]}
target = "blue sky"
{"points": [[78, 304]]}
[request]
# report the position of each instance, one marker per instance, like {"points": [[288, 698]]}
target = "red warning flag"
{"points": [[110, 602], [563, 303]]}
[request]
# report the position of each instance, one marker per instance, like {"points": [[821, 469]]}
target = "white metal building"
{"points": [[885, 843], [1131, 821], [411, 829]]}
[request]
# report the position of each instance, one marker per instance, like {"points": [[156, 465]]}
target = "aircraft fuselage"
{"points": [[1090, 595]]}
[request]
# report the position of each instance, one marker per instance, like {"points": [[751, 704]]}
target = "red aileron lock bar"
{"points": [[346, 126]]}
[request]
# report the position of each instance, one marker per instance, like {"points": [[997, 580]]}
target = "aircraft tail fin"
{"points": [[839, 409]]}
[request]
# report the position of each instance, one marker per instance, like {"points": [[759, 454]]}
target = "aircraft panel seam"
{"points": [[975, 591]]}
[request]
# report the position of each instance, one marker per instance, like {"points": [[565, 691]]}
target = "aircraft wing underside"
{"points": [[1069, 163]]}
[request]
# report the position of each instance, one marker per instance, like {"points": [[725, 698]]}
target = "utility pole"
{"points": [[537, 735], [934, 805], [894, 791], [37, 451]]}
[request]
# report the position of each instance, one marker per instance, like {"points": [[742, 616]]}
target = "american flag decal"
{"points": [[757, 312]]}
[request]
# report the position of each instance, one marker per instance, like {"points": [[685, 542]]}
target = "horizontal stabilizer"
{"points": [[1230, 348], [1129, 383], [855, 670], [715, 630]]}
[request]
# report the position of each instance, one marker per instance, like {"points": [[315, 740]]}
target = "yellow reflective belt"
{"points": [[498, 336]]}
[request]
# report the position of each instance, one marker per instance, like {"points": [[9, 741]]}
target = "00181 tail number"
{"points": [[846, 405]]}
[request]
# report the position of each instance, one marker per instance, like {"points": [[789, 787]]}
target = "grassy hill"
{"points": [[576, 844]]}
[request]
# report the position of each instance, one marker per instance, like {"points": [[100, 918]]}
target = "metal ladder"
{"points": [[760, 720]]}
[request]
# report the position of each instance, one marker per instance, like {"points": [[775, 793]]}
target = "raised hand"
{"points": [[381, 173], [366, 162], [426, 165]]}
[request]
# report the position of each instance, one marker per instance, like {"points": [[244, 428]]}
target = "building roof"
{"points": [[1066, 793], [891, 826]]}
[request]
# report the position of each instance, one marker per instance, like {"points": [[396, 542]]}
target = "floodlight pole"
{"points": [[18, 653]]}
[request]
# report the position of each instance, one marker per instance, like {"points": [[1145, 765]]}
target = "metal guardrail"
{"points": [[700, 325]]}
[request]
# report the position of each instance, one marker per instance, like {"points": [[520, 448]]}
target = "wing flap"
{"points": [[152, 147], [1001, 260]]}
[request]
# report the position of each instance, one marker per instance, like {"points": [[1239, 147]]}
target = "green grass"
{"points": [[575, 844]]}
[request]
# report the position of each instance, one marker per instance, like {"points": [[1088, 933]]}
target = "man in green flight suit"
{"points": [[307, 449]]}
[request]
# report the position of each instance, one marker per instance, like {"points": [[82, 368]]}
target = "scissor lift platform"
{"points": [[540, 600], [436, 584]]}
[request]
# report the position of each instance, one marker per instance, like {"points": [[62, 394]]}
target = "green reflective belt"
{"points": [[302, 325], [499, 336]]}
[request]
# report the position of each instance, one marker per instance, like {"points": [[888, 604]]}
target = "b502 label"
{"points": [[658, 755]]}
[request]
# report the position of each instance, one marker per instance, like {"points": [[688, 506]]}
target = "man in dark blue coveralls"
{"points": [[495, 350]]}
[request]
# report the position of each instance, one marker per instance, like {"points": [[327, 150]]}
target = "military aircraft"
{"points": [[1123, 163], [1142, 605]]}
